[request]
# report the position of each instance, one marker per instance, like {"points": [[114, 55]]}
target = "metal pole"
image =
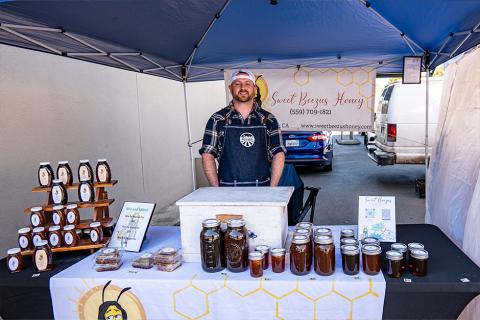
{"points": [[427, 67], [190, 146]]}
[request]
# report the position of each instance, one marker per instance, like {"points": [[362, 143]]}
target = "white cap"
{"points": [[71, 206], [35, 209], [69, 227], [54, 228], [38, 229], [59, 207], [62, 162], [24, 230], [13, 251], [83, 161], [242, 74], [95, 224], [46, 163], [102, 160]]}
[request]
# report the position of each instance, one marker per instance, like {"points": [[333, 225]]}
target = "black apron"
{"points": [[243, 161]]}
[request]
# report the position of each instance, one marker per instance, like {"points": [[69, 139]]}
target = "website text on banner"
{"points": [[309, 99]]}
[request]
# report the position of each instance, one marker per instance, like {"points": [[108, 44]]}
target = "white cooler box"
{"points": [[264, 210]]}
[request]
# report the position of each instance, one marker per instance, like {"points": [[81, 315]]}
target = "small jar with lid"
{"points": [[37, 217], [300, 255], [236, 245], [42, 257], [347, 233], [211, 246], [14, 260], [370, 240], [38, 234], [394, 263], [371, 259], [85, 171], [59, 192], [419, 262], [266, 255], [302, 232], [86, 192], [323, 232], [350, 259], [55, 237], [103, 171], [278, 259], [58, 217], [96, 232], [349, 241], [324, 255], [70, 236], [73, 216], [255, 259], [306, 233], [45, 174], [64, 173], [402, 248], [413, 246], [25, 239]]}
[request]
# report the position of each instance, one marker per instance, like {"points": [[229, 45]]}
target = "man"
{"points": [[244, 138]]}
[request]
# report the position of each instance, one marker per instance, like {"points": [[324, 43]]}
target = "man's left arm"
{"points": [[276, 150], [277, 168]]}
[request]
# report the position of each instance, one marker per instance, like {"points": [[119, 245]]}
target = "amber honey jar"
{"points": [[70, 236], [278, 259], [86, 192], [37, 217], [402, 248], [350, 259], [38, 234], [64, 173], [25, 238], [324, 255], [413, 246], [42, 257], [255, 259], [55, 237], [211, 250], [300, 255], [236, 245], [419, 262], [371, 259], [394, 263], [59, 218], [45, 174], [14, 260], [266, 255], [96, 232], [73, 216], [59, 192], [103, 171], [85, 172]]}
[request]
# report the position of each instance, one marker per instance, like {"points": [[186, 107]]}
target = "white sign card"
{"points": [[132, 225], [312, 99], [376, 218], [412, 67]]}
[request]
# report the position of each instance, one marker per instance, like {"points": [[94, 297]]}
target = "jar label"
{"points": [[63, 175], [35, 219], [23, 242], [68, 238], [102, 173], [84, 173], [234, 253], [54, 239], [57, 195], [56, 218], [41, 260], [85, 192], [36, 239], [71, 217], [44, 176], [13, 263], [94, 235]]}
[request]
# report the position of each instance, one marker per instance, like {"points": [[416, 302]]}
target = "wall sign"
{"points": [[412, 67]]}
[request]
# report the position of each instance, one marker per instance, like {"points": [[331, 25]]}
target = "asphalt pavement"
{"points": [[354, 174]]}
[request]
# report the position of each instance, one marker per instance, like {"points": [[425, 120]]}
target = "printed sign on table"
{"points": [[376, 218], [132, 225]]}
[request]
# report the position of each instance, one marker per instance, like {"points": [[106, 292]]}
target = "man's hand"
{"points": [[210, 168], [277, 168]]}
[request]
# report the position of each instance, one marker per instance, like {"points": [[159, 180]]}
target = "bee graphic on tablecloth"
{"points": [[112, 310]]}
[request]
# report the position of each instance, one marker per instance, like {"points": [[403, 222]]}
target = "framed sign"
{"points": [[132, 224], [412, 67], [376, 218]]}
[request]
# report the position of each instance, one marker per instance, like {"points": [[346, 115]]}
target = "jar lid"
{"points": [[46, 163], [83, 161], [102, 160], [69, 227], [255, 255], [305, 225], [348, 233], [24, 230], [415, 245], [84, 180], [41, 243], [323, 239], [278, 252], [95, 224], [370, 240], [400, 247], [54, 228], [235, 223], [350, 249], [38, 229], [419, 254], [13, 251], [71, 206], [300, 239], [63, 162], [302, 231], [371, 249], [210, 223], [394, 255], [262, 248], [59, 207], [349, 241], [57, 181], [323, 231], [35, 209]]}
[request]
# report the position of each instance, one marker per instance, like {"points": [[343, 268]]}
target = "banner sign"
{"points": [[309, 99], [376, 218]]}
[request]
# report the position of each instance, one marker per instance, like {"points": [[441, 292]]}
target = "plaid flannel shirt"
{"points": [[213, 138]]}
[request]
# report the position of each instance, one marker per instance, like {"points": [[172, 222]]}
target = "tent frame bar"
{"points": [[31, 40], [19, 26]]}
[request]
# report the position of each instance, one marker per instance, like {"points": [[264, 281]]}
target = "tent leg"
{"points": [[350, 141], [190, 147]]}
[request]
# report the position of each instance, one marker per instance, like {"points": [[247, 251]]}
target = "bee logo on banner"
{"points": [[310, 99]]}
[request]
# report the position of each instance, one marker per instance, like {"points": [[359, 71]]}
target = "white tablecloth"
{"points": [[191, 293]]}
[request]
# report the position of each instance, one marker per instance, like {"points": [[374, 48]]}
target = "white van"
{"points": [[400, 122]]}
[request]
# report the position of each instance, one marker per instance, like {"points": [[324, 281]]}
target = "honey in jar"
{"points": [[278, 259], [371, 259], [350, 259], [236, 245], [300, 255], [324, 255], [394, 263], [402, 248], [419, 261], [266, 255], [255, 259], [211, 246], [42, 256]]}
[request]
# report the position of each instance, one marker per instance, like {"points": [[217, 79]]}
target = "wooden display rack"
{"points": [[100, 213]]}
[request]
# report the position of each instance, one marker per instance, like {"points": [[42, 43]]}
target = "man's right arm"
{"points": [[210, 168]]}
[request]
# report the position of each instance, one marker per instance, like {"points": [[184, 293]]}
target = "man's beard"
{"points": [[243, 97]]}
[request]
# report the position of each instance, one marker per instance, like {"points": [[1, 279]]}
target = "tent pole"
{"points": [[427, 69], [189, 131]]}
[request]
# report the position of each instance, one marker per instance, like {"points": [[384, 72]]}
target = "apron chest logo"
{"points": [[247, 139]]}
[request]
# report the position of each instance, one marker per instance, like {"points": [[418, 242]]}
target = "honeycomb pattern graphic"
{"points": [[193, 293]]}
